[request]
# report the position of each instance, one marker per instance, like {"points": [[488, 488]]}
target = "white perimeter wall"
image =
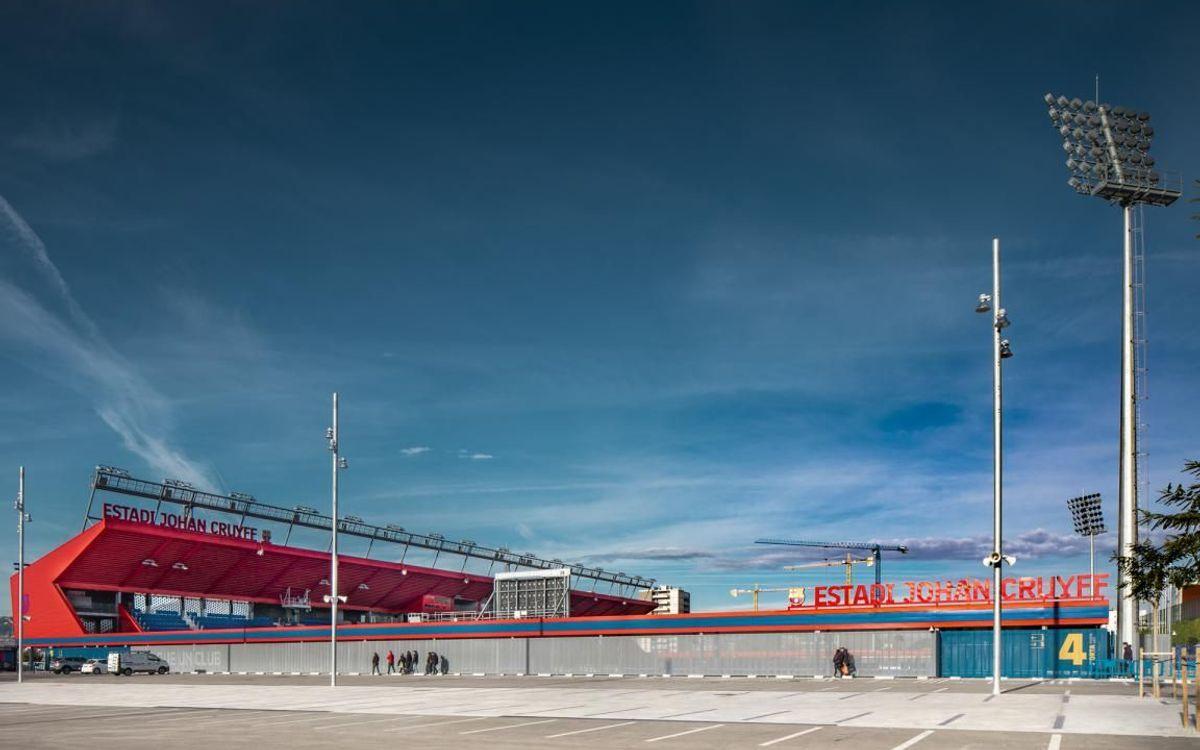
{"points": [[900, 653]]}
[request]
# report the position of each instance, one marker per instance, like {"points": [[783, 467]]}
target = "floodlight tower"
{"points": [[1108, 155], [1088, 516]]}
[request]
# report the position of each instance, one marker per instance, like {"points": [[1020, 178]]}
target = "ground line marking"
{"points": [[439, 723], [1055, 742], [616, 711], [56, 710], [324, 716], [768, 743], [176, 715], [591, 729], [689, 713], [508, 726], [323, 727], [922, 695], [909, 743], [690, 731], [763, 716], [851, 718]]}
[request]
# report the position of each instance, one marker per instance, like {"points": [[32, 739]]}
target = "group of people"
{"points": [[843, 663], [408, 662]]}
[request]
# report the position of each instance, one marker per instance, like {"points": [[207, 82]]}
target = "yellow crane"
{"points": [[755, 591], [849, 563]]}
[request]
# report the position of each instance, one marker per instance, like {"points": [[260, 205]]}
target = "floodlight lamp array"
{"points": [[1087, 514], [1108, 151]]}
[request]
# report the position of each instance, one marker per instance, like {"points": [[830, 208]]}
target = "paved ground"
{"points": [[800, 684], [300, 712]]}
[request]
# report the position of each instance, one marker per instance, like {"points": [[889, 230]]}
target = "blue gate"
{"points": [[1027, 652]]}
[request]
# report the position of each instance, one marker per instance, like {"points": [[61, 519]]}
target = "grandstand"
{"points": [[139, 570]]}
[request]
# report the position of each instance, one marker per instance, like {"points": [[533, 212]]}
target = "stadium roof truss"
{"points": [[118, 481]]}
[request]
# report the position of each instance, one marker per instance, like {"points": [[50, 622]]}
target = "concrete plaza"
{"points": [[268, 711]]}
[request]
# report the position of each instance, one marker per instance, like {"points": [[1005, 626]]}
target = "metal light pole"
{"points": [[1127, 491], [1000, 352], [19, 604], [1108, 155], [333, 598]]}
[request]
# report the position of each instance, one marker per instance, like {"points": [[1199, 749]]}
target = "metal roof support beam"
{"points": [[118, 482]]}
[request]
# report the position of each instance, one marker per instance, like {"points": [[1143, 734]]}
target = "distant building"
{"points": [[668, 600]]}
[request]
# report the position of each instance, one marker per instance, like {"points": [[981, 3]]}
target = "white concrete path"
{"points": [[1048, 713]]}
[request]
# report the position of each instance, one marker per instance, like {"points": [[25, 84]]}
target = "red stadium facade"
{"points": [[128, 558]]}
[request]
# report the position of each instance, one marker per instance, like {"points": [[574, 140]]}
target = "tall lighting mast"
{"points": [[334, 597], [1001, 350], [19, 604], [1108, 155]]}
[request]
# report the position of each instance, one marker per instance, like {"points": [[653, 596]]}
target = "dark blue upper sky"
{"points": [[631, 282]]}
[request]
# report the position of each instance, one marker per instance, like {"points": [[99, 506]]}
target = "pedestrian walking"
{"points": [[375, 663], [391, 662]]}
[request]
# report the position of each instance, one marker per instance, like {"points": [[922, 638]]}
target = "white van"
{"points": [[136, 661]]}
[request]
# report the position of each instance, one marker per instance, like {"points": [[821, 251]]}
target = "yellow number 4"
{"points": [[1072, 649]]}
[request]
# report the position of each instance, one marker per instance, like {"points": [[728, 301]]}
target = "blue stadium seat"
{"points": [[161, 621]]}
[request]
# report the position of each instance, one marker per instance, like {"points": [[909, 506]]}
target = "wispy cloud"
{"points": [[651, 553], [474, 455], [71, 349], [1036, 543], [60, 140], [415, 450]]}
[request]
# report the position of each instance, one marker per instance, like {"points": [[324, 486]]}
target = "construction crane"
{"points": [[849, 563], [874, 547], [755, 591]]}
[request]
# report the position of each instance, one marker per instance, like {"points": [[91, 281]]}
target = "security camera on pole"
{"points": [[1000, 352], [333, 598]]}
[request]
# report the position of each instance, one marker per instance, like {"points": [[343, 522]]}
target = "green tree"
{"points": [[1175, 561]]}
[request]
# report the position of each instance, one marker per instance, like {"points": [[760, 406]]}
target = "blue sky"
{"points": [[619, 283]]}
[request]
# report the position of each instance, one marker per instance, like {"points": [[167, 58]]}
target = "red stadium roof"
{"points": [[112, 555]]}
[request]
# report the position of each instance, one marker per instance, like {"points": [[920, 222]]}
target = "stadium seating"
{"points": [[233, 621], [197, 621], [161, 621]]}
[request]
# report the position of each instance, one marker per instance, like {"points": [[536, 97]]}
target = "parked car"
{"points": [[67, 664], [94, 666], [136, 661]]}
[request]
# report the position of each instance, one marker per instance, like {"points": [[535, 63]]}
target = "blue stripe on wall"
{"points": [[615, 626]]}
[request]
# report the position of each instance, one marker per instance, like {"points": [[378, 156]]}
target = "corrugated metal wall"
{"points": [[899, 652], [1027, 652], [896, 653]]}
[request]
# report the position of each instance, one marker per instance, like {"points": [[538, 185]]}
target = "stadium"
{"points": [[215, 583]]}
